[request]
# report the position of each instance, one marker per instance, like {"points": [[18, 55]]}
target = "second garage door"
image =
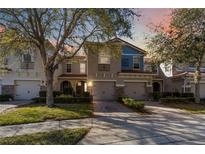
{"points": [[103, 90], [135, 90], [26, 90]]}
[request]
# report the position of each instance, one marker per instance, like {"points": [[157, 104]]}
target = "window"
{"points": [[104, 67], [27, 58], [27, 61], [136, 62], [68, 68], [103, 62], [82, 67], [125, 62], [6, 61], [103, 58]]}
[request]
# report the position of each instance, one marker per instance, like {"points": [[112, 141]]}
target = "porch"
{"points": [[72, 84]]}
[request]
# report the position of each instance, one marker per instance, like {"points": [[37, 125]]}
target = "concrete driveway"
{"points": [[116, 124], [11, 104]]}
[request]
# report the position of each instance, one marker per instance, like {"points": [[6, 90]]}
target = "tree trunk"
{"points": [[197, 77], [49, 96]]}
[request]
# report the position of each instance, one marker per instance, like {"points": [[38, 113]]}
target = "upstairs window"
{"points": [[27, 58], [103, 67], [68, 68], [27, 61], [103, 58], [125, 62], [136, 62], [82, 67], [104, 62], [6, 61]]}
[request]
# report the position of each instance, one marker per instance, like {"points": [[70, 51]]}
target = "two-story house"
{"points": [[104, 76], [126, 75]]}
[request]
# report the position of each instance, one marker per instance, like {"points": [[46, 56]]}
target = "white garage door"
{"points": [[135, 90], [103, 91], [26, 90]]}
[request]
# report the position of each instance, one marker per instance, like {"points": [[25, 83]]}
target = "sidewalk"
{"points": [[13, 130]]}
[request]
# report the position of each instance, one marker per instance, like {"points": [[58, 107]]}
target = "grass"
{"points": [[59, 137], [190, 107], [40, 113]]}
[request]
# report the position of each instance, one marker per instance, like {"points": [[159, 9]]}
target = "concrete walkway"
{"points": [[12, 130], [116, 124]]}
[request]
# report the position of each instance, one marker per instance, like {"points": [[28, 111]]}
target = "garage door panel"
{"points": [[135, 90], [26, 90], [202, 90], [103, 91]]}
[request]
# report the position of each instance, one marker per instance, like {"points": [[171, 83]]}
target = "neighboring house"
{"points": [[103, 75], [181, 79]]}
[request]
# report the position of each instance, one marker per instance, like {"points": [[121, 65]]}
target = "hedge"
{"points": [[55, 93], [177, 100], [134, 104], [5, 97], [65, 100], [157, 95]]}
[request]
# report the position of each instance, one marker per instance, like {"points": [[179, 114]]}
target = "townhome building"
{"points": [[180, 78], [104, 76]]}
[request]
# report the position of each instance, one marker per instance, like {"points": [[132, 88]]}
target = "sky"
{"points": [[141, 26]]}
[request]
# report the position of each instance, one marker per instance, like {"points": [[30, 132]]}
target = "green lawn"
{"points": [[59, 137], [190, 107], [39, 113]]}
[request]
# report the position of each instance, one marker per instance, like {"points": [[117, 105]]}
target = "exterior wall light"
{"points": [[90, 84]]}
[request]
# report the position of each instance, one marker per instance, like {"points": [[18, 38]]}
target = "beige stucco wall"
{"points": [[75, 67], [94, 74], [23, 74]]}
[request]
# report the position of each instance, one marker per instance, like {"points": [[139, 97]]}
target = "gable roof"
{"points": [[128, 44]]}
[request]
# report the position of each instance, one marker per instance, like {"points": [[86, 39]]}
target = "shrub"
{"points": [[166, 94], [68, 91], [137, 105], [5, 97], [120, 99], [86, 94], [176, 94], [55, 93], [64, 96], [65, 99], [156, 96], [177, 100], [187, 94], [39, 100]]}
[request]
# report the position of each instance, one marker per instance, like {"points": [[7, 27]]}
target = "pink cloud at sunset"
{"points": [[149, 17]]}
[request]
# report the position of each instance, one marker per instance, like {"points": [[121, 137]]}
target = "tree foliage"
{"points": [[183, 42], [61, 27]]}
